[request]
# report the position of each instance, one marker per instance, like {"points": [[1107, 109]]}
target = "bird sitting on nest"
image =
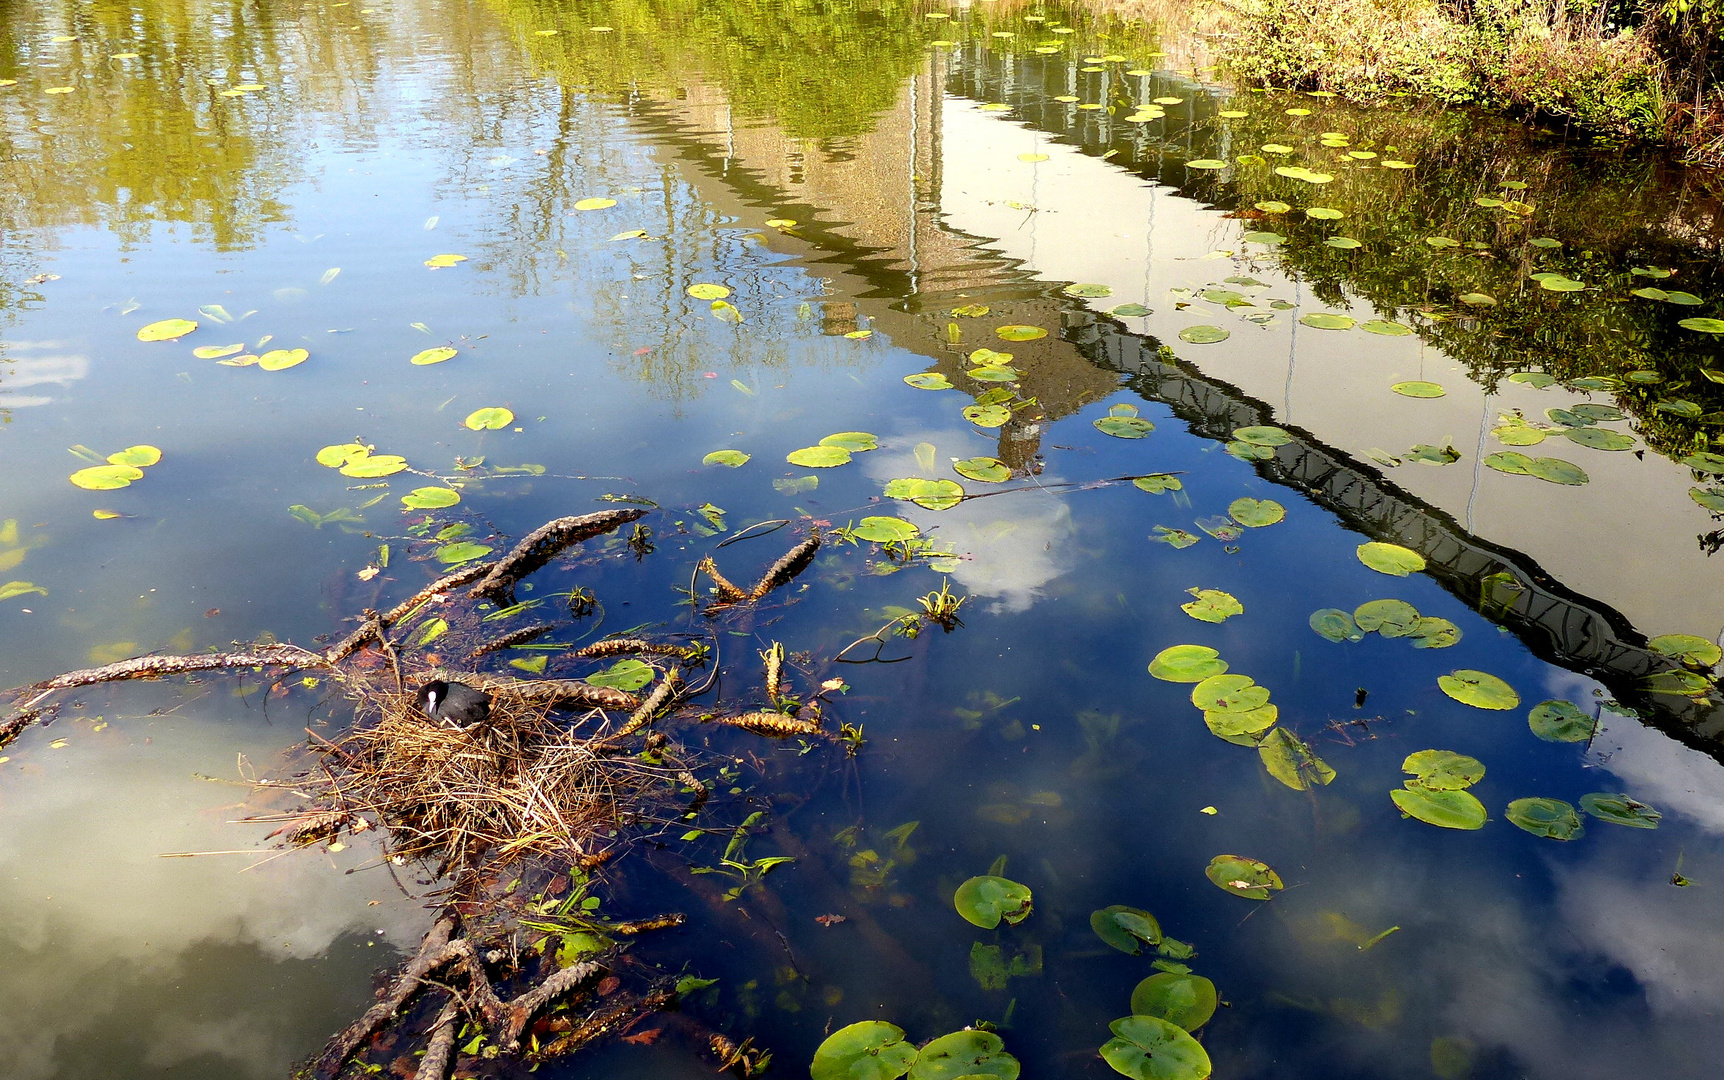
{"points": [[455, 704]]}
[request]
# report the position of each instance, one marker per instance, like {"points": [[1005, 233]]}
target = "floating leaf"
{"points": [[1343, 243], [1263, 435], [1442, 242], [870, 1050], [138, 457], [1125, 310], [987, 899], [1418, 388], [1509, 462], [1477, 299], [1536, 379], [1558, 283], [1685, 648], [1156, 483], [1212, 605], [1444, 809], [1385, 328], [1336, 625], [1244, 877], [1550, 818], [341, 453], [818, 457], [443, 262], [282, 359], [493, 418], [1560, 721], [596, 203], [624, 675], [1705, 326], [1150, 1048], [1291, 761], [1256, 513], [1600, 438], [1683, 683], [106, 477], [1187, 664], [884, 530], [216, 352], [1391, 618], [1558, 471], [928, 380], [433, 356], [1426, 454], [1187, 1001], [12, 589], [374, 466], [1434, 633], [1322, 320], [1204, 335], [1020, 333], [1620, 810], [173, 330], [1267, 239], [1444, 770], [930, 494], [1229, 693], [465, 551], [986, 470], [430, 498], [1392, 559], [1123, 427], [1127, 929], [730, 459], [991, 416], [1275, 206], [708, 291], [1324, 213], [1175, 538], [978, 1055], [1479, 689], [854, 441], [1088, 292]]}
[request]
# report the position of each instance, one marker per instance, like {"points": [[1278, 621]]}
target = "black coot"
{"points": [[454, 703]]}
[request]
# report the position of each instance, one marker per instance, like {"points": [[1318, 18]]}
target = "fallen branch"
{"points": [[541, 546], [357, 640], [522, 1009], [342, 1046], [435, 1064]]}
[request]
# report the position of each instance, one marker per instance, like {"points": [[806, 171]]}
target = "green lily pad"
{"points": [[870, 1050], [282, 359], [1598, 413], [883, 530], [1244, 877], [138, 457], [1518, 434], [465, 551], [708, 291], [1683, 683], [1560, 721], [1323, 320], [1245, 451], [1596, 382], [1130, 310], [167, 330], [1088, 292], [928, 380], [1212, 605], [1226, 297], [1426, 454], [1546, 242], [1434, 633], [425, 357], [1175, 538], [984, 470], [1386, 328], [1509, 461], [1705, 326], [1290, 760], [1263, 435], [624, 675], [818, 457], [1206, 164], [1324, 213], [1392, 559], [1187, 1001], [1558, 471], [1267, 239], [1204, 335], [1342, 243], [1479, 689], [1549, 818], [1477, 299], [1620, 810], [1187, 664], [1123, 427], [1558, 283], [1229, 693], [854, 441], [1256, 513], [987, 899], [1418, 388], [1391, 618], [1336, 625], [106, 477], [1275, 206], [1442, 242], [988, 416], [374, 466], [1156, 483], [1686, 648], [730, 459], [493, 418], [1444, 809], [1444, 770], [1244, 728], [430, 498], [1020, 333], [1600, 438], [1150, 1048], [1538, 380], [929, 494], [1127, 929], [994, 374], [973, 1055]]}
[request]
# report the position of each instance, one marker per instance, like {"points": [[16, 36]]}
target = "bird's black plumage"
{"points": [[454, 703]]}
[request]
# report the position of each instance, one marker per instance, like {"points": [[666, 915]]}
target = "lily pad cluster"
{"points": [[1437, 793], [119, 470], [1155, 1041], [1390, 618], [1238, 710], [358, 460], [877, 1050]]}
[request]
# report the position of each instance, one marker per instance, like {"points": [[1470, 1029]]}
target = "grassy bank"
{"points": [[1631, 70]]}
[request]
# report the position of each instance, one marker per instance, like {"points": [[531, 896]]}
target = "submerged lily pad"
{"points": [[1150, 1048], [1204, 334], [1444, 809], [1480, 689], [1550, 818], [1290, 760], [1127, 929], [1620, 810], [1242, 876], [1392, 559], [870, 1050], [1185, 1000], [1560, 721], [1187, 664], [730, 459], [1336, 625], [1212, 605], [987, 899], [818, 457]]}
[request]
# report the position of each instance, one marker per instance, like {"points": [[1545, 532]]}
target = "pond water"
{"points": [[880, 193]]}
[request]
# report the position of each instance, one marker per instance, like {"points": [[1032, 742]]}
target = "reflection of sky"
{"points": [[37, 363]]}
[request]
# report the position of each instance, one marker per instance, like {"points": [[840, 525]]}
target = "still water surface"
{"points": [[917, 179]]}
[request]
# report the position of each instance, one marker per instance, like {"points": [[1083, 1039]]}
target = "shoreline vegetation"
{"points": [[1623, 71]]}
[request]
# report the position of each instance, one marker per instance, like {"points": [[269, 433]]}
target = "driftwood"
{"points": [[541, 546], [523, 1008], [510, 640], [624, 646], [343, 1045], [557, 693], [435, 1064]]}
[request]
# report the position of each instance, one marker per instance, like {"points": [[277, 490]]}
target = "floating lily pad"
{"points": [[1275, 206], [1204, 334], [1327, 321], [1342, 243], [106, 477], [1150, 1048], [1509, 461], [430, 498], [374, 466], [596, 203], [1206, 164], [624, 675], [1705, 326], [282, 359], [1256, 513], [1516, 434], [1212, 605], [1174, 538], [1442, 242], [465, 551], [1686, 648], [1324, 213], [1391, 618], [1538, 380], [445, 261], [818, 457], [1336, 625], [1558, 283], [1598, 413], [1558, 471], [1477, 299], [985, 900], [1130, 310], [1560, 721], [1426, 454], [1020, 333], [1444, 770], [1156, 483], [216, 352], [1683, 683], [986, 470], [1245, 451], [854, 441], [929, 494], [1434, 633], [884, 530], [1127, 929], [1187, 664], [1550, 818], [1270, 239], [730, 459], [1291, 761], [870, 1050], [1392, 559], [1418, 388], [1229, 693], [1620, 810], [1244, 728], [708, 291], [1244, 877], [990, 416], [1600, 438], [138, 457], [1444, 809], [433, 356], [1263, 435], [493, 418], [1479, 689], [1187, 1001], [173, 330]]}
